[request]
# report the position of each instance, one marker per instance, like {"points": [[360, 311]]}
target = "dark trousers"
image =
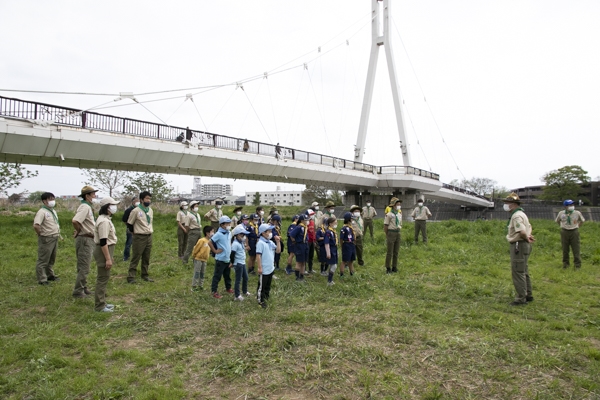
{"points": [[142, 248], [420, 226], [369, 226], [241, 276], [182, 239], [221, 270], [128, 241], [570, 238], [264, 287], [311, 255]]}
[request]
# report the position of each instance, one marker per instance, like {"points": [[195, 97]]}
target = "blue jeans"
{"points": [[221, 270], [241, 274], [128, 242]]}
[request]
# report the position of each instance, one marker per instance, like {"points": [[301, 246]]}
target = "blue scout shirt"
{"points": [[222, 241], [266, 249], [240, 252], [347, 234], [298, 234]]}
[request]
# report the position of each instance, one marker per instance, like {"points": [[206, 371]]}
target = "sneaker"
{"points": [[263, 304], [529, 299], [239, 298], [300, 280], [275, 277], [131, 281], [217, 295], [288, 270], [87, 291], [518, 303], [80, 296], [106, 309], [53, 278], [388, 271], [330, 283], [111, 306], [147, 279], [248, 294], [44, 283], [196, 289], [229, 290]]}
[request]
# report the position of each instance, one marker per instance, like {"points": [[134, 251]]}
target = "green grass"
{"points": [[439, 329]]}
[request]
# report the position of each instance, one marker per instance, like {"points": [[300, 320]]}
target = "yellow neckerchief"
{"points": [[305, 231], [254, 227], [349, 225], [329, 228]]}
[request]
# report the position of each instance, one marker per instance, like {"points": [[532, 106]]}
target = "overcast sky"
{"points": [[514, 86]]}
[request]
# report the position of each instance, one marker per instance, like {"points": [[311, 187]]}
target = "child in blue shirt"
{"points": [[320, 234], [276, 222], [265, 261], [220, 244], [348, 245], [238, 261], [331, 246]]}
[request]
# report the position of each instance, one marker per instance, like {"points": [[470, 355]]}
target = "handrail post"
{"points": [[83, 119]]}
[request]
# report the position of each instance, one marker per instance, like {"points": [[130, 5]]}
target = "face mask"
{"points": [[368, 204], [195, 209], [571, 208], [112, 209], [239, 213], [398, 207], [185, 207], [242, 238], [420, 204], [331, 210], [51, 203], [228, 227], [245, 222], [316, 208], [269, 235], [334, 226], [506, 207], [137, 203], [146, 204], [218, 206], [356, 214], [262, 213]]}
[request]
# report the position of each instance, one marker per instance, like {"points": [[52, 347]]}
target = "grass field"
{"points": [[439, 329]]}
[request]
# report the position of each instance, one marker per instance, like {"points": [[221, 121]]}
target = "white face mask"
{"points": [[137, 203], [419, 204], [112, 209], [218, 206], [316, 208], [262, 213], [368, 204], [51, 203], [195, 209], [334, 226], [242, 238], [228, 227], [571, 208], [331, 210], [506, 207], [270, 235], [356, 214], [185, 207], [398, 207], [239, 213]]}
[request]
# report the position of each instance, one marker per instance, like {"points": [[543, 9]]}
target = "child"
{"points": [[265, 257], [220, 244], [290, 245], [348, 245], [276, 222], [200, 255], [320, 235], [312, 239], [299, 238], [331, 245], [252, 228], [238, 261]]}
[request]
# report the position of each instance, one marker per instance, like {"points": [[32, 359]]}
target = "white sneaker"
{"points": [[275, 277], [106, 309], [239, 298], [330, 283], [111, 306], [248, 294]]}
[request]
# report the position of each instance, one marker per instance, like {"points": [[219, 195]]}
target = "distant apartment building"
{"points": [[216, 189], [591, 192], [276, 198]]}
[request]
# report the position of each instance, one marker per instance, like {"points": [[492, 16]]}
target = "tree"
{"points": [[564, 183], [107, 180], [256, 200], [11, 176], [481, 186], [337, 197], [154, 183], [35, 197], [315, 193]]}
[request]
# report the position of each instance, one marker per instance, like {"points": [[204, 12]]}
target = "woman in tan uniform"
{"points": [[105, 238]]}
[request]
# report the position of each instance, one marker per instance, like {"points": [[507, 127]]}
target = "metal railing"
{"points": [[465, 191], [23, 109]]}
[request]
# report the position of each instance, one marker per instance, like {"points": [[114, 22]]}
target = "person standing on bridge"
{"points": [[214, 214], [84, 223], [369, 213], [420, 214], [392, 224], [570, 220], [47, 228], [193, 227], [182, 235], [140, 223]]}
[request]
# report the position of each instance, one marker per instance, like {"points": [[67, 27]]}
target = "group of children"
{"points": [[250, 246]]}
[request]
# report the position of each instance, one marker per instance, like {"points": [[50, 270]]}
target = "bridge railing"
{"points": [[463, 190], [16, 108]]}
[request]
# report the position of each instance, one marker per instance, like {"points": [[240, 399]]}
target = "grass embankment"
{"points": [[440, 328]]}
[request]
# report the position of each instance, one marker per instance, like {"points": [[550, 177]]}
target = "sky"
{"points": [[502, 90]]}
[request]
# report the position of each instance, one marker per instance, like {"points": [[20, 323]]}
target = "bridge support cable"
{"points": [[416, 136], [272, 106], [319, 109], [255, 112]]}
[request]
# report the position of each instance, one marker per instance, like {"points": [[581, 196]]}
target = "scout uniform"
{"points": [[193, 227], [47, 220], [329, 205], [318, 214], [214, 215], [182, 235], [520, 249], [392, 224], [357, 226], [369, 213], [104, 235], [570, 220], [348, 239], [141, 219], [330, 245], [235, 220], [84, 242], [420, 215]]}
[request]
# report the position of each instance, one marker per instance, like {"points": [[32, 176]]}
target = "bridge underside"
{"points": [[29, 143]]}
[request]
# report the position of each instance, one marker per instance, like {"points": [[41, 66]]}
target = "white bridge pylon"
{"points": [[380, 15]]}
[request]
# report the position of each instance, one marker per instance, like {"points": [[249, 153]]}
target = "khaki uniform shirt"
{"points": [[369, 212], [192, 221], [563, 219], [358, 225], [181, 216], [105, 230], [318, 219], [393, 221], [234, 221], [214, 214], [85, 217], [138, 219], [47, 222], [518, 223], [421, 213]]}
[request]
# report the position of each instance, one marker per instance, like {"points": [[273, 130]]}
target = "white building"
{"points": [[197, 188], [276, 198], [216, 189]]}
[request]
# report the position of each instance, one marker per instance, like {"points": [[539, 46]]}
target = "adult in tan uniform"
{"points": [[193, 227], [47, 228], [570, 220], [105, 239], [84, 222], [392, 224], [140, 223], [318, 214], [369, 213], [420, 214], [182, 236], [358, 225], [237, 214], [520, 239], [214, 214]]}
